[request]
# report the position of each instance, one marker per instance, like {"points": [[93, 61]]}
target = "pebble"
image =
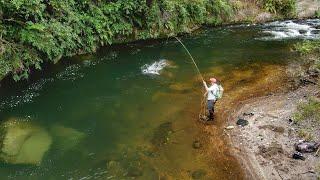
{"points": [[229, 127]]}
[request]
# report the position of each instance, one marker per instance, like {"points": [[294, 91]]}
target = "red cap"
{"points": [[213, 80]]}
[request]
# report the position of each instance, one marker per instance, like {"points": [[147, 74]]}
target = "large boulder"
{"points": [[66, 138], [23, 142]]}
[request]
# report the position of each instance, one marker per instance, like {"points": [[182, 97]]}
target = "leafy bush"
{"points": [[286, 8], [307, 47], [32, 32], [317, 14]]}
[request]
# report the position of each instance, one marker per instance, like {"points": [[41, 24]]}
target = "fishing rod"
{"points": [[203, 104], [194, 62]]}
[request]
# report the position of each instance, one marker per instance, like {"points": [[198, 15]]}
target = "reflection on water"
{"points": [[108, 120]]}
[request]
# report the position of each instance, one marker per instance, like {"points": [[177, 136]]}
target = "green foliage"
{"points": [[309, 110], [32, 32], [286, 8], [307, 47], [317, 14]]}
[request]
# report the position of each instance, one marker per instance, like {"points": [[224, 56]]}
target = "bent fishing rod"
{"points": [[203, 104], [194, 62]]}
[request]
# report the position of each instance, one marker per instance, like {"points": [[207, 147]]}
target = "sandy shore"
{"points": [[265, 146]]}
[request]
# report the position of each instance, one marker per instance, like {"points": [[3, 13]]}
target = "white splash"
{"points": [[279, 30], [154, 68]]}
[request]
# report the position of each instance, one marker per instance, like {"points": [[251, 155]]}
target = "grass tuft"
{"points": [[308, 111]]}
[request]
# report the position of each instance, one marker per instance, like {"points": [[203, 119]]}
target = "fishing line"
{"points": [[203, 104], [194, 62]]}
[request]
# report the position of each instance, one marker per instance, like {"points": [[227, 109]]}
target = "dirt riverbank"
{"points": [[265, 146]]}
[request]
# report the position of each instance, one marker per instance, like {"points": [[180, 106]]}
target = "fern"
{"points": [[37, 31]]}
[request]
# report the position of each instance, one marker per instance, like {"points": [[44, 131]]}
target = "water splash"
{"points": [[154, 68], [290, 29]]}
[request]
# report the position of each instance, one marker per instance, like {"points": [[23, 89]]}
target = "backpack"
{"points": [[220, 92]]}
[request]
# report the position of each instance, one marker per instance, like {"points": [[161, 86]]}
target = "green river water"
{"points": [[133, 125]]}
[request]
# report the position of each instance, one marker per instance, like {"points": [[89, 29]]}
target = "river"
{"points": [[131, 111]]}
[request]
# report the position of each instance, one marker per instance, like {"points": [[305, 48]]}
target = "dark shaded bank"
{"points": [[45, 31]]}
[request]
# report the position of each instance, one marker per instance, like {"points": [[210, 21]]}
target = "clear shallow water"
{"points": [[142, 125]]}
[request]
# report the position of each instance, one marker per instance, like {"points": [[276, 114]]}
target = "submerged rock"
{"points": [[23, 142], [66, 138], [196, 144], [198, 174], [161, 134]]}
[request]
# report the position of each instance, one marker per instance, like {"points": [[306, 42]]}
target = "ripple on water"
{"points": [[71, 73], [27, 96]]}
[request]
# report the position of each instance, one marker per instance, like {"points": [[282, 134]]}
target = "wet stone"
{"points": [[301, 31], [242, 122], [298, 155], [198, 174]]}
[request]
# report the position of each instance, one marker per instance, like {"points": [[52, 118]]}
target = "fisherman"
{"points": [[213, 93]]}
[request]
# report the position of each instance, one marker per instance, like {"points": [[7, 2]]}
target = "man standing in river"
{"points": [[213, 95]]}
